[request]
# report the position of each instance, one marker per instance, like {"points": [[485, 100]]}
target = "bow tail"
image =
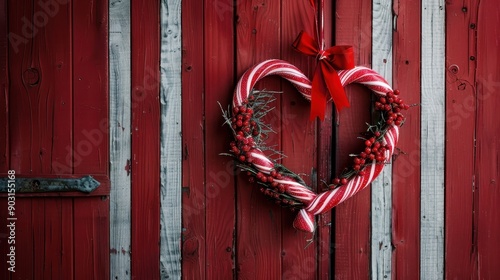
{"points": [[318, 96], [334, 86]]}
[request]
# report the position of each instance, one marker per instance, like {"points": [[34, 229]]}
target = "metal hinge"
{"points": [[85, 184]]}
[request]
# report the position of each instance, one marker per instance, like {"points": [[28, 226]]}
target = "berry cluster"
{"points": [[247, 134], [243, 126], [391, 106], [273, 189], [375, 149]]}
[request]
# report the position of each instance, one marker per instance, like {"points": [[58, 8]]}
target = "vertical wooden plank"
{"points": [[326, 162], [90, 132], [171, 137], [38, 236], [58, 240], [25, 260], [352, 218], [258, 220], [40, 91], [4, 89], [381, 193], [91, 235], [298, 139], [219, 193], [120, 145], [90, 87], [145, 139], [406, 167], [433, 123], [193, 165], [51, 261], [488, 145], [461, 191], [4, 243]]}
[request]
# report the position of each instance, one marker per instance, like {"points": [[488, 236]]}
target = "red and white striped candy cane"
{"points": [[315, 203]]}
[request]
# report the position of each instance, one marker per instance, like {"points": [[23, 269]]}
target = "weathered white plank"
{"points": [[381, 206], [432, 148], [171, 145], [120, 145]]}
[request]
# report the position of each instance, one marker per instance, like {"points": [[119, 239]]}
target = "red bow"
{"points": [[325, 79]]}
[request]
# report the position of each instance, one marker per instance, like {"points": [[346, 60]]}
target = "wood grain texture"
{"points": [[145, 161], [219, 195], [352, 218], [193, 149], [432, 142], [120, 144], [298, 139], [4, 245], [258, 220], [58, 259], [90, 87], [40, 94], [461, 190], [91, 235], [4, 89], [487, 144], [171, 140], [326, 161], [406, 166], [381, 192]]}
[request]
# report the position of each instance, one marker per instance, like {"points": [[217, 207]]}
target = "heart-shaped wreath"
{"points": [[281, 184]]}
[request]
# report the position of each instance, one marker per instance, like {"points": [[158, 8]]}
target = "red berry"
{"points": [[343, 181], [368, 143], [382, 100], [368, 150], [396, 92], [336, 181], [356, 167], [242, 158]]}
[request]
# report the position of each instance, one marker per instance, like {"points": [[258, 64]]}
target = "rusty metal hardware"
{"points": [[85, 184]]}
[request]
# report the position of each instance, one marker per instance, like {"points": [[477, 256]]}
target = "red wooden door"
{"points": [[53, 123]]}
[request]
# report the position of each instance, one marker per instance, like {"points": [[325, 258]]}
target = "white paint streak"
{"points": [[432, 146], [381, 206], [171, 140], [120, 145]]}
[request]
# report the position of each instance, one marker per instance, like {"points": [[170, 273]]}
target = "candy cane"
{"points": [[314, 203]]}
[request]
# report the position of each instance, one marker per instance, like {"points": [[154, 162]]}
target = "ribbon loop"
{"points": [[326, 81]]}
